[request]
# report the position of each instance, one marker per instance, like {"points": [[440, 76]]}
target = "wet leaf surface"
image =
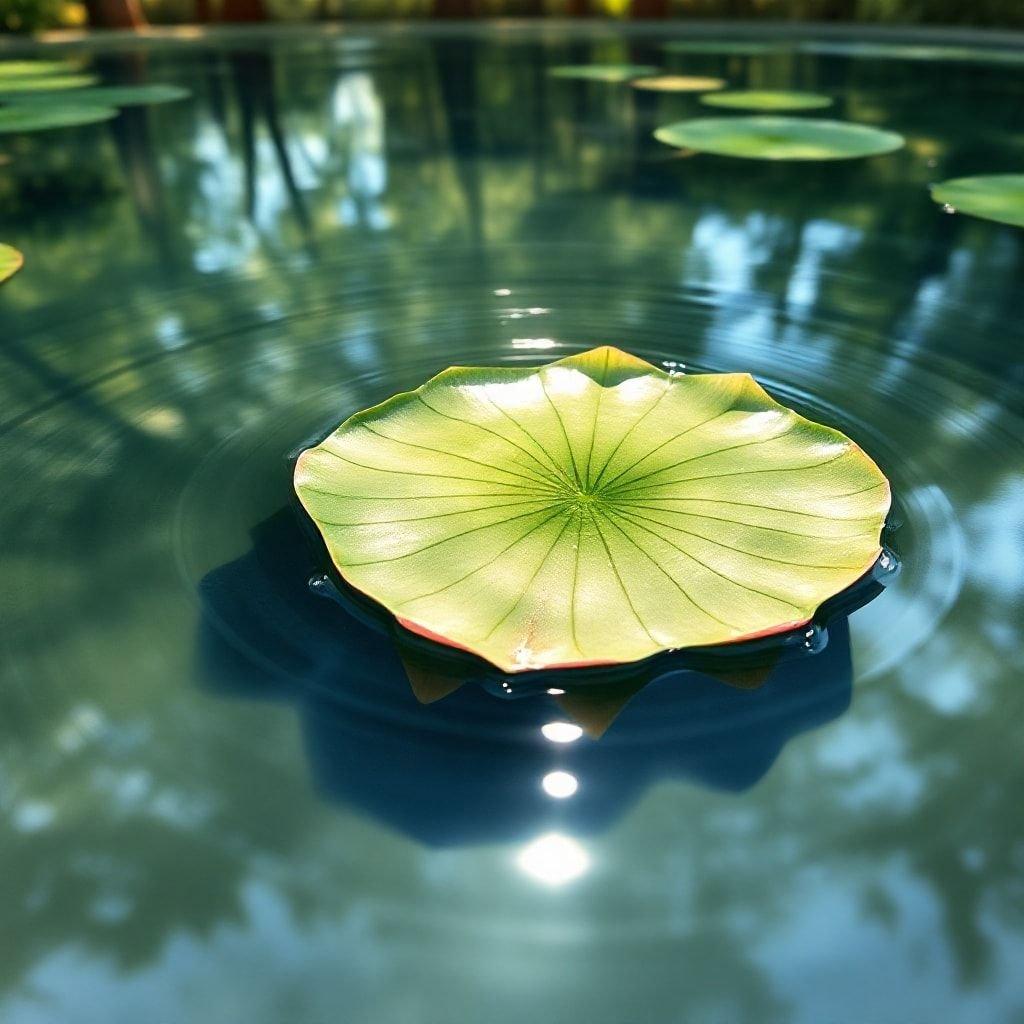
{"points": [[595, 510]]}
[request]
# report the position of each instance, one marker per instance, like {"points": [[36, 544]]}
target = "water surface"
{"points": [[210, 813]]}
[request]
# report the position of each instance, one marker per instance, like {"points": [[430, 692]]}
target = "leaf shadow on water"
{"points": [[450, 751]]}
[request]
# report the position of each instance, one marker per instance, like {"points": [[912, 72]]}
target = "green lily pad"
{"points": [[678, 83], [726, 47], [603, 72], [998, 197], [44, 83], [34, 68], [762, 99], [10, 261], [596, 510], [779, 138], [37, 117], [108, 96]]}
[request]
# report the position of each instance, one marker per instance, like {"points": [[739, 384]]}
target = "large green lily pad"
{"points": [[779, 138], [44, 83], [10, 261], [37, 117], [603, 72], [596, 510], [998, 197], [107, 96], [765, 99]]}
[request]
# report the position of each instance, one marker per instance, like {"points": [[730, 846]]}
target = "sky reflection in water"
{"points": [[210, 283]]}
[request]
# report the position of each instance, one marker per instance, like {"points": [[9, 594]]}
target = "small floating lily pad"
{"points": [[109, 96], [603, 72], [10, 261], [678, 83], [34, 68], [998, 197], [44, 83], [596, 510], [779, 138], [764, 99], [726, 47], [37, 117]]}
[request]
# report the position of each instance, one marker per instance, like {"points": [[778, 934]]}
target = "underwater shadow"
{"points": [[449, 751]]}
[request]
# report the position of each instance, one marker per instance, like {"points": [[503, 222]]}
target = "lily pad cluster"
{"points": [[40, 95], [640, 76], [595, 510], [993, 197]]}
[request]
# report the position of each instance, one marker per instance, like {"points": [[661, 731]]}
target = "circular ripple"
{"points": [[217, 410], [246, 476]]}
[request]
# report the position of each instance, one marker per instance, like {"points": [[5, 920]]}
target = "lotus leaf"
{"points": [[998, 197], [596, 510], [779, 138], [108, 96], [763, 99], [36, 117], [603, 72], [35, 68], [10, 261], [44, 83], [678, 83]]}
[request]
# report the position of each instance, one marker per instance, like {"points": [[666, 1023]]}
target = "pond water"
{"points": [[221, 798]]}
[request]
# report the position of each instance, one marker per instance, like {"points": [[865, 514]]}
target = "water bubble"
{"points": [[321, 585]]}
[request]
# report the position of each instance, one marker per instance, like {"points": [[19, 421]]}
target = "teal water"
{"points": [[221, 799]]}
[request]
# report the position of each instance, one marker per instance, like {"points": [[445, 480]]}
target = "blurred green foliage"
{"points": [[33, 15], [953, 12]]}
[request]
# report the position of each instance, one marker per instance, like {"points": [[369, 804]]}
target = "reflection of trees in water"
{"points": [[156, 821]]}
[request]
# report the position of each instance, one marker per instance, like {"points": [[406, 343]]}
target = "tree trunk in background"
{"points": [[115, 14], [454, 8], [577, 9], [650, 8], [243, 10], [204, 13]]}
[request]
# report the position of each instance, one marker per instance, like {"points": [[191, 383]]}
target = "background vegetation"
{"points": [[33, 15]]}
